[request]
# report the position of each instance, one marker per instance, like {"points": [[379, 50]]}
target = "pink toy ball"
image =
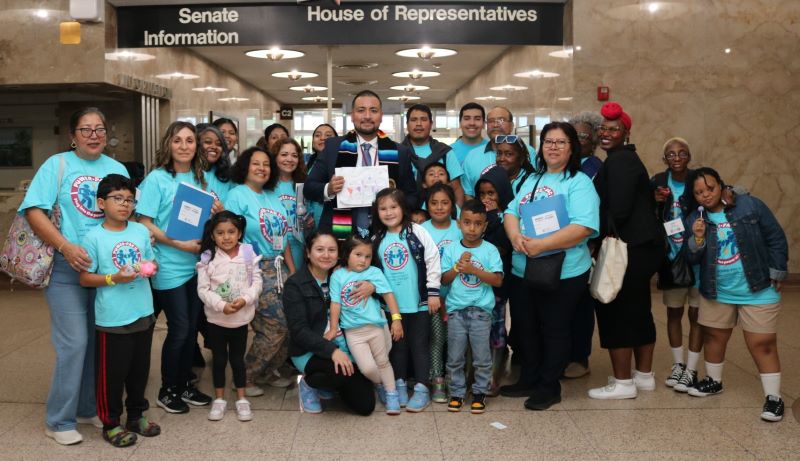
{"points": [[147, 268]]}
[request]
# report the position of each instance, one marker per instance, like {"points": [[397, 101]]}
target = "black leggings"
{"points": [[227, 344], [182, 307], [357, 391], [415, 346]]}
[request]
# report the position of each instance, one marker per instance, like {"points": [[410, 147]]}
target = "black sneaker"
{"points": [[706, 387], [169, 400], [455, 404], [773, 409], [539, 403], [518, 389], [687, 381], [193, 396], [675, 376], [478, 404]]}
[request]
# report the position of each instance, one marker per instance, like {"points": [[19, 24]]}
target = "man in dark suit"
{"points": [[365, 146]]}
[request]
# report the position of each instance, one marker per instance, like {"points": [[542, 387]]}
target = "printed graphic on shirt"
{"points": [[396, 256], [483, 171], [677, 239], [441, 245], [290, 203], [125, 254], [272, 223], [84, 196], [471, 280], [727, 250], [347, 291], [216, 197], [224, 291], [541, 192]]}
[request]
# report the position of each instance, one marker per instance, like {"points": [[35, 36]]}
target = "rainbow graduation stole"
{"points": [[343, 218]]}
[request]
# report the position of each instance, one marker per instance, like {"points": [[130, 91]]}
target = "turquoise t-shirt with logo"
{"points": [[468, 290], [443, 238], [124, 303], [451, 162], [462, 149], [732, 287], [267, 225], [217, 188], [583, 208], [478, 162], [157, 192], [287, 193], [368, 312], [401, 272], [77, 196]]}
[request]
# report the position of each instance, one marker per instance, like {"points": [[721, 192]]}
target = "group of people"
{"points": [[383, 302]]}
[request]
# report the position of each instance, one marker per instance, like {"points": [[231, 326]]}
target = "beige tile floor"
{"points": [[657, 425]]}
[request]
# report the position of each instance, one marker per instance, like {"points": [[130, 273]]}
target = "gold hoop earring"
{"points": [[73, 145]]}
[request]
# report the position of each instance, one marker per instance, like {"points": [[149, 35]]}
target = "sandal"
{"points": [[119, 437], [144, 426]]}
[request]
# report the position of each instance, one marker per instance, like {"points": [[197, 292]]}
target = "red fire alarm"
{"points": [[603, 93]]}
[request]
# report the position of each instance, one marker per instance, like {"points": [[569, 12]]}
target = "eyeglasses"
{"points": [[610, 129], [87, 132], [584, 136], [119, 200], [505, 138], [558, 144], [672, 155], [496, 121]]}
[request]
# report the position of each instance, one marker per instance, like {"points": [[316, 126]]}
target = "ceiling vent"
{"points": [[356, 82], [357, 66]]}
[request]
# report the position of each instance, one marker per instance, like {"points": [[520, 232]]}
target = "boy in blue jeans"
{"points": [[123, 311], [471, 267]]}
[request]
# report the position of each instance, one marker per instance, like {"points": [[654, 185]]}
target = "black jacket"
{"points": [[439, 152], [495, 232], [627, 205], [664, 209], [307, 315]]}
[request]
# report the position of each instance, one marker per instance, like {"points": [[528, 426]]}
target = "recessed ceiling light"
{"points": [[275, 54], [426, 53], [41, 14], [416, 74], [403, 98], [128, 56], [566, 53], [233, 99], [210, 89], [491, 98], [727, 51], [508, 88], [536, 73], [308, 88], [566, 98], [410, 88], [652, 7], [318, 98], [177, 76], [295, 75], [578, 48]]}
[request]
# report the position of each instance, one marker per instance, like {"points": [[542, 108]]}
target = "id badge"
{"points": [[674, 227], [277, 242]]}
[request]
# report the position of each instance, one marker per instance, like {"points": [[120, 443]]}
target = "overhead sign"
{"points": [[376, 23]]}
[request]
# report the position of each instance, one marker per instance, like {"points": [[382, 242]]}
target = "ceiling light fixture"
{"points": [[410, 88], [275, 54], [308, 88], [426, 53], [177, 76], [508, 88], [210, 89], [565, 53], [536, 73], [652, 7], [128, 56], [727, 51], [318, 98], [295, 75], [491, 98], [404, 98], [41, 14], [233, 99], [566, 98], [416, 74]]}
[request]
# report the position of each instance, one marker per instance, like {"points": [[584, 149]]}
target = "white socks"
{"points": [[691, 362], [714, 370], [677, 354], [771, 382]]}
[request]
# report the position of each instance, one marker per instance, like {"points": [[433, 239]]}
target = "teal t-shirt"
{"points": [[451, 161], [300, 361], [479, 161], [267, 226], [676, 240], [443, 237], [217, 188], [583, 208], [401, 272], [462, 149], [369, 312], [77, 196], [124, 303], [468, 290], [287, 193], [157, 192], [732, 287]]}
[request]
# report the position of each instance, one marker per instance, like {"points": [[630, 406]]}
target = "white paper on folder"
{"points": [[545, 222], [361, 184], [189, 213]]}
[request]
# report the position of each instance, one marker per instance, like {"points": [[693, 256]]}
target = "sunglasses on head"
{"points": [[505, 138]]}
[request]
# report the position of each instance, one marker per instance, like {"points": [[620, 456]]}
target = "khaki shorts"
{"points": [[760, 318], [676, 297]]}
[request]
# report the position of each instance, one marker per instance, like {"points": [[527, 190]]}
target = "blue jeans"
{"points": [[72, 332], [182, 307], [469, 326]]}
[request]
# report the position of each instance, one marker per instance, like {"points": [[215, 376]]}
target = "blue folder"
{"points": [[536, 208], [191, 208]]}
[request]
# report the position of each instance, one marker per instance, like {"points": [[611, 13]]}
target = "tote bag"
{"points": [[609, 271]]}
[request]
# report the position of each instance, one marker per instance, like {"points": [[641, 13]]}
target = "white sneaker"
{"points": [[644, 381], [615, 390], [243, 412], [65, 437], [94, 421], [253, 391], [276, 380], [218, 407]]}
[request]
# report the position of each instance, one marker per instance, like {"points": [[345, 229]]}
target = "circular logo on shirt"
{"points": [[125, 254], [216, 197], [541, 192], [347, 291], [470, 280], [290, 203], [272, 223], [441, 246], [84, 196], [395, 256], [727, 250]]}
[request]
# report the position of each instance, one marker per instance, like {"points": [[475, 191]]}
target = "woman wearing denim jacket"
{"points": [[743, 253]]}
